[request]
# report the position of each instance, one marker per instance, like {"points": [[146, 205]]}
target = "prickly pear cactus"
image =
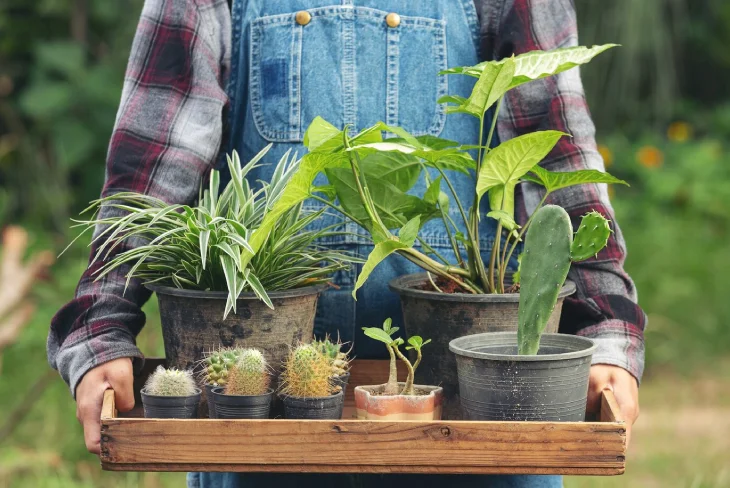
{"points": [[307, 373], [544, 267], [592, 236], [249, 375], [170, 382]]}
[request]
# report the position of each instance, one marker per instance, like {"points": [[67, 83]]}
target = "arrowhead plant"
{"points": [[371, 179]]}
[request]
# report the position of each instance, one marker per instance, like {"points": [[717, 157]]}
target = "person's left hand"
{"points": [[625, 388]]}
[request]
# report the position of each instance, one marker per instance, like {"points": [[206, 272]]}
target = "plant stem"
{"points": [[391, 388], [493, 255], [408, 388]]}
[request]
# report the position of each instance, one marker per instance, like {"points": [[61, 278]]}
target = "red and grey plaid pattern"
{"points": [[168, 134]]}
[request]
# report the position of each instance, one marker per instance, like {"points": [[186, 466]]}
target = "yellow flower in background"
{"points": [[606, 154], [650, 157], [679, 132]]}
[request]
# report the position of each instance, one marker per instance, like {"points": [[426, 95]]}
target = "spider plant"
{"points": [[202, 247]]}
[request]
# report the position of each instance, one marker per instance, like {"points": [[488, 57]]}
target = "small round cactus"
{"points": [[307, 373], [216, 365], [249, 375], [333, 351], [170, 382]]}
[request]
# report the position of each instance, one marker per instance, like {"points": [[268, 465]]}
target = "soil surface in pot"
{"points": [[450, 286]]}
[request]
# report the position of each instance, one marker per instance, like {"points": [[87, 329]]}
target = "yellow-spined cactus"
{"points": [[307, 373]]}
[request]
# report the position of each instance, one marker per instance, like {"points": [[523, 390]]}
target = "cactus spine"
{"points": [[339, 359], [307, 373], [249, 375], [170, 382], [549, 251]]}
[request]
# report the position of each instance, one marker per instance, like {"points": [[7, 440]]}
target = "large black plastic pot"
{"points": [[192, 322], [498, 384], [170, 407], [241, 406], [321, 408], [442, 317]]}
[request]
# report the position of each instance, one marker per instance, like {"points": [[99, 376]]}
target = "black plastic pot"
{"points": [[496, 383], [210, 400], [314, 408], [241, 406], [169, 407], [192, 322], [442, 317]]}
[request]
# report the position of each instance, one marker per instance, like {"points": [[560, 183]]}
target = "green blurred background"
{"points": [[662, 107]]}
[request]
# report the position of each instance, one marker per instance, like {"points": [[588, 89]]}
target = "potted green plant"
{"points": [[307, 388], [247, 393], [214, 368], [170, 394], [371, 180], [394, 400], [339, 360], [241, 263], [529, 375]]}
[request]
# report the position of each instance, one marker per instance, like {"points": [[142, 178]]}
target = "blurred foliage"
{"points": [[61, 70]]}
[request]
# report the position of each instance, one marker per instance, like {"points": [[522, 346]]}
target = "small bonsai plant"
{"points": [[170, 393], [385, 335], [550, 248], [249, 375], [307, 385]]}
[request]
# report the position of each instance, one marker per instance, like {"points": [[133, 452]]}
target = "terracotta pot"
{"points": [[371, 405]]}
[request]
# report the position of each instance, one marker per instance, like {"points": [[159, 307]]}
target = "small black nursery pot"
{"points": [[495, 383], [209, 398], [241, 406], [321, 408], [170, 407]]}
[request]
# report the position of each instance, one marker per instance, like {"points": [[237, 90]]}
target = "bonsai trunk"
{"points": [[408, 388], [391, 388]]}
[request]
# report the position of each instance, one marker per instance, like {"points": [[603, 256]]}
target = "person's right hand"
{"points": [[117, 375]]}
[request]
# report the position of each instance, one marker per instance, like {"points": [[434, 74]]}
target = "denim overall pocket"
{"points": [[348, 65]]}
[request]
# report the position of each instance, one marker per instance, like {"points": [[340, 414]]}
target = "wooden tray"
{"points": [[130, 443]]}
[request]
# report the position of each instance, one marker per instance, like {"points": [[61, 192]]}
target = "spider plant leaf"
{"points": [[204, 237], [259, 289]]}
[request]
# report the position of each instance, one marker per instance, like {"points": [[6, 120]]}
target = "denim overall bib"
{"points": [[293, 60]]}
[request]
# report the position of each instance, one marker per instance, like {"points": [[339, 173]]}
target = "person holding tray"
{"points": [[209, 76]]}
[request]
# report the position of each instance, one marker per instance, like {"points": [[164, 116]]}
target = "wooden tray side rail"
{"points": [[448, 447]]}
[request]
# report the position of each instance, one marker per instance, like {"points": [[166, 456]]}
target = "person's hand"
{"points": [[117, 375], [624, 387]]}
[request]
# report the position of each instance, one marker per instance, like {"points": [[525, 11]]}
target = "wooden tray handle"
{"points": [[609, 408], [108, 408]]}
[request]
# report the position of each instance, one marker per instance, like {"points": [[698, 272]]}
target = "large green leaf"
{"points": [[401, 170], [494, 81], [447, 158], [319, 132], [534, 65], [556, 180], [383, 249], [503, 166], [394, 206], [378, 334]]}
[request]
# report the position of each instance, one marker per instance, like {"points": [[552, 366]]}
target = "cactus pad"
{"points": [[307, 373], [592, 236], [170, 382], [249, 375], [544, 267]]}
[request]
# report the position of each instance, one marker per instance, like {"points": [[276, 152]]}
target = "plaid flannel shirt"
{"points": [[168, 135]]}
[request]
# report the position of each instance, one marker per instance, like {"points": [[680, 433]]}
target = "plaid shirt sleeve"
{"points": [[605, 306], [166, 137]]}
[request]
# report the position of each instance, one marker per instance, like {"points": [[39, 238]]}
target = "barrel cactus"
{"points": [[339, 359], [170, 382], [307, 373], [550, 248], [249, 375]]}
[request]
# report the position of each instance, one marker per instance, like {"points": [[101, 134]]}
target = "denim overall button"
{"points": [[303, 17], [392, 19]]}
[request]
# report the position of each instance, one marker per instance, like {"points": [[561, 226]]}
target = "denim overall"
{"points": [[345, 62]]}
